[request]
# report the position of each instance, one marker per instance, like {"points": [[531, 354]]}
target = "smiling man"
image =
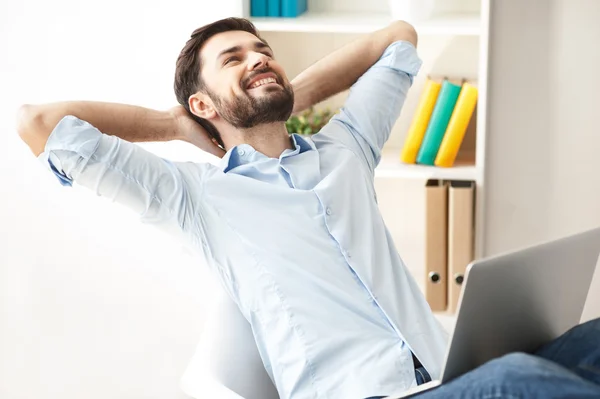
{"points": [[290, 225]]}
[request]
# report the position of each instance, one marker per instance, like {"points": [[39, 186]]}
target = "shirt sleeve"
{"points": [[374, 103], [156, 189]]}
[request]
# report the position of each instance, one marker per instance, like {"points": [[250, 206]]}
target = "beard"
{"points": [[245, 111]]}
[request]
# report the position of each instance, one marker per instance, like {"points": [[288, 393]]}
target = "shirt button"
{"points": [[328, 211], [242, 152]]}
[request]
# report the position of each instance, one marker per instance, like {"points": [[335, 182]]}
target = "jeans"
{"points": [[568, 367], [421, 375]]}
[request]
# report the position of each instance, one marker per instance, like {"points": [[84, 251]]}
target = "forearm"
{"points": [[342, 68], [129, 122]]}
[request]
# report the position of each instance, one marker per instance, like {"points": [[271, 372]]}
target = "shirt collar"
{"points": [[244, 153], [303, 143]]}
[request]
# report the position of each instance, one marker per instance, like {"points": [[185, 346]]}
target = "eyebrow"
{"points": [[257, 45]]}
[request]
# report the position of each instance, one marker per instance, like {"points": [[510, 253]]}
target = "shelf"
{"points": [[324, 22], [452, 25], [459, 24], [390, 166]]}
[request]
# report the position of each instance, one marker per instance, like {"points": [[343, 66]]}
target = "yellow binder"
{"points": [[417, 129], [457, 126]]}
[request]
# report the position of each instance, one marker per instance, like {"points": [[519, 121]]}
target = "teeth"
{"points": [[262, 82]]}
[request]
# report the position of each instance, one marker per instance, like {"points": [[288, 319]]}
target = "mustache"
{"points": [[258, 72]]}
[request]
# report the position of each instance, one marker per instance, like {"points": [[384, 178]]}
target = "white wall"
{"points": [[92, 304], [543, 137]]}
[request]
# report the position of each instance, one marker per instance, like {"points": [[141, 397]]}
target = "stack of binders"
{"points": [[440, 122], [277, 8], [449, 240]]}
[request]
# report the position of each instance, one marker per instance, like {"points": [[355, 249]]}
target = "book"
{"points": [[438, 123], [293, 8], [420, 120], [258, 8], [274, 8], [457, 126], [436, 244]]}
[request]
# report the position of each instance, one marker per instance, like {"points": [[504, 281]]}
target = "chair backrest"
{"points": [[226, 363]]}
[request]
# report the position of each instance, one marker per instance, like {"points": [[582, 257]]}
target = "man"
{"points": [[290, 225]]}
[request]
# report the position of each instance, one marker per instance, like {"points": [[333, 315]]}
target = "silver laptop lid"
{"points": [[520, 300]]}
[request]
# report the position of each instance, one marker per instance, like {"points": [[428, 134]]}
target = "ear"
{"points": [[201, 105]]}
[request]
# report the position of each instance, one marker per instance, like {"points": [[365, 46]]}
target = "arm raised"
{"points": [[128, 122], [341, 69], [380, 69], [65, 138]]}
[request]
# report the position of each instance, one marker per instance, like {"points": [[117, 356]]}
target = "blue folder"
{"points": [[258, 8], [274, 8], [293, 8]]}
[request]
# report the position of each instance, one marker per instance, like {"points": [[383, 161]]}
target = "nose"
{"points": [[257, 60]]}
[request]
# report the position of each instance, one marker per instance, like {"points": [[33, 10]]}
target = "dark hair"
{"points": [[187, 71]]}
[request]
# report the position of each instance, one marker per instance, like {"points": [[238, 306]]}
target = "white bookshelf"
{"points": [[353, 22], [390, 166]]}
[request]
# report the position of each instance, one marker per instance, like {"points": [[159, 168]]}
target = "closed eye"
{"points": [[231, 59]]}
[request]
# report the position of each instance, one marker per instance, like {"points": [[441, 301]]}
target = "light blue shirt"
{"points": [[297, 241]]}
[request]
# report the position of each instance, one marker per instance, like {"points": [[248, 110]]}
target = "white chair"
{"points": [[226, 364]]}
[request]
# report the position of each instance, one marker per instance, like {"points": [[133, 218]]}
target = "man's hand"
{"points": [[190, 131]]}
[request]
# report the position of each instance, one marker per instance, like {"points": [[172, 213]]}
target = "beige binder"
{"points": [[461, 200], [436, 234]]}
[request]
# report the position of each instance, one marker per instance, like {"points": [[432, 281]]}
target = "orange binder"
{"points": [[436, 216], [461, 200]]}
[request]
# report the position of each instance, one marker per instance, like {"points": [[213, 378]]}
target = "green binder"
{"points": [[436, 128]]}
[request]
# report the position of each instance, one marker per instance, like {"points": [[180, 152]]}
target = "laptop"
{"points": [[518, 301]]}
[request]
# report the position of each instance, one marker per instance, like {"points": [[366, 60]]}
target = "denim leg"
{"points": [[568, 367], [577, 350], [517, 375], [421, 375]]}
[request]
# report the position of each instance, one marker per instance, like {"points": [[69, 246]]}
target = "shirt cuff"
{"points": [[402, 57], [70, 145]]}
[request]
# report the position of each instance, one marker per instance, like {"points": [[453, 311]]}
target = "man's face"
{"points": [[246, 85]]}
